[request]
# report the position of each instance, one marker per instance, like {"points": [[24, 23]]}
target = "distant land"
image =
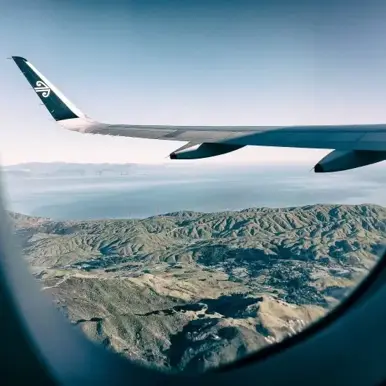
{"points": [[56, 169], [188, 291], [64, 191]]}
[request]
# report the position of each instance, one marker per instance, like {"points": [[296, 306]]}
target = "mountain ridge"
{"points": [[187, 291]]}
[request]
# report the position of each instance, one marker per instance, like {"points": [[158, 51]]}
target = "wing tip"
{"points": [[19, 58]]}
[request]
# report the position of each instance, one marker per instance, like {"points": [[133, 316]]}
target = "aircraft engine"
{"points": [[204, 150], [338, 160]]}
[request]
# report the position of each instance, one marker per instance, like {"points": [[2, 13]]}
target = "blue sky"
{"points": [[189, 62]]}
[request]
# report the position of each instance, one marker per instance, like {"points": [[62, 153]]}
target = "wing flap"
{"points": [[330, 138], [167, 133]]}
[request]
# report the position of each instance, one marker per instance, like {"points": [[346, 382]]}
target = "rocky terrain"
{"points": [[189, 291]]}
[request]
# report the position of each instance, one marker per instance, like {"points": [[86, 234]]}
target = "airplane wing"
{"points": [[355, 145]]}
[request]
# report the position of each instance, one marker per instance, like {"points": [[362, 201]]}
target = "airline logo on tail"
{"points": [[42, 88]]}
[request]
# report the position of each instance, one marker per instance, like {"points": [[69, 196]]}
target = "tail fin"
{"points": [[56, 103]]}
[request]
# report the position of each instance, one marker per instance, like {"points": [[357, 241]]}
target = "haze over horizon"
{"points": [[191, 62], [86, 191]]}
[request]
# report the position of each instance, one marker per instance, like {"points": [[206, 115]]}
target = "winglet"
{"points": [[55, 102]]}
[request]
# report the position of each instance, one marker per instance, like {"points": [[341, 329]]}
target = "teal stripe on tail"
{"points": [[58, 106]]}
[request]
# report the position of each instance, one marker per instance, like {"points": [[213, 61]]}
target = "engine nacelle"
{"points": [[205, 150], [338, 160]]}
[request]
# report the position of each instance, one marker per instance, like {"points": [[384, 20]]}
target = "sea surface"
{"points": [[149, 191]]}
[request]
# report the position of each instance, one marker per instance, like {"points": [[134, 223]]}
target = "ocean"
{"points": [[153, 190]]}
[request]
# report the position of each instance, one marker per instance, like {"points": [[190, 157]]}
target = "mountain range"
{"points": [[190, 291]]}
